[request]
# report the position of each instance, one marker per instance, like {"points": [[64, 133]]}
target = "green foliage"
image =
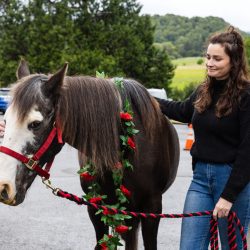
{"points": [[187, 71], [200, 61], [169, 48], [188, 75], [185, 61], [12, 37], [182, 94], [247, 46], [109, 36], [185, 36]]}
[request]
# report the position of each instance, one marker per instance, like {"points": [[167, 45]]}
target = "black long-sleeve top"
{"points": [[218, 140]]}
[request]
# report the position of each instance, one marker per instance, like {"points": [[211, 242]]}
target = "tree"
{"points": [[50, 33], [104, 35], [116, 31], [189, 35], [12, 38]]}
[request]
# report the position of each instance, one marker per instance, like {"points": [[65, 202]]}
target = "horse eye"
{"points": [[34, 125]]}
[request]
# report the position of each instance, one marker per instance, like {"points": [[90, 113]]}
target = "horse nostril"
{"points": [[4, 193]]}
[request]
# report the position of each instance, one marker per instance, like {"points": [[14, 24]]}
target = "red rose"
{"points": [[131, 143], [125, 191], [121, 229], [87, 176], [107, 212], [104, 246], [126, 116], [118, 165], [95, 199]]}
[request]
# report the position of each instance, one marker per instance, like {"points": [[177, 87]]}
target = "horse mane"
{"points": [[144, 105], [96, 131]]}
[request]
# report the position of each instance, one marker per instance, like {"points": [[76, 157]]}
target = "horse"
{"points": [[85, 113]]}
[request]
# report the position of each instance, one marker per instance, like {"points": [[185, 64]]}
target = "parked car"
{"points": [[160, 93], [4, 99]]}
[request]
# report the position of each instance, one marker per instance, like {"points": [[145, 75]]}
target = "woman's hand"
{"points": [[2, 128], [222, 208]]}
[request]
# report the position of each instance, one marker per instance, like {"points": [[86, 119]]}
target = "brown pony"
{"points": [[87, 110]]}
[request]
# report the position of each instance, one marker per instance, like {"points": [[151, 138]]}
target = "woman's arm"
{"points": [[240, 175], [181, 111]]}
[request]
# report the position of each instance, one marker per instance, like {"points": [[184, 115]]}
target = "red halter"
{"points": [[32, 162]]}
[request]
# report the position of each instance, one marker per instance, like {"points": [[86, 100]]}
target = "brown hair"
{"points": [[233, 45]]}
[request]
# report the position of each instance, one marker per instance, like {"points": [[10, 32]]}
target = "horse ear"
{"points": [[22, 70], [55, 82]]}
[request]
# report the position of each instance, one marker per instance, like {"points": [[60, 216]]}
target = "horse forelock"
{"points": [[27, 93]]}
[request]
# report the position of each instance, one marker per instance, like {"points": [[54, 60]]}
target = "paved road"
{"points": [[45, 221]]}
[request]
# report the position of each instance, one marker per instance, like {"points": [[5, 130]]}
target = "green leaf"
{"points": [[135, 131], [127, 106], [99, 211], [104, 219], [119, 82], [128, 124], [123, 138], [100, 75], [127, 164]]}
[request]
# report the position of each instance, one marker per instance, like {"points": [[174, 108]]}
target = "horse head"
{"points": [[29, 120]]}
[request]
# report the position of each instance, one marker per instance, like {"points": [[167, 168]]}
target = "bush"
{"points": [[182, 94], [200, 61]]}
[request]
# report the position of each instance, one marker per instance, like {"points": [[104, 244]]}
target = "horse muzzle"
{"points": [[7, 194]]}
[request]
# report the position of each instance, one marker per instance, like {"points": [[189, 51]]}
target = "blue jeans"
{"points": [[207, 185]]}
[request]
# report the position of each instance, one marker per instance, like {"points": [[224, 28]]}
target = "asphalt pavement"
{"points": [[44, 221]]}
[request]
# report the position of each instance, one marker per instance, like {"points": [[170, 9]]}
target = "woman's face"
{"points": [[217, 62]]}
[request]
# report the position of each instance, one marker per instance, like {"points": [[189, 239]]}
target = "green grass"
{"points": [[187, 71]]}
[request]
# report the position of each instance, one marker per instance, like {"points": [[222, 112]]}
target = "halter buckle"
{"points": [[31, 164]]}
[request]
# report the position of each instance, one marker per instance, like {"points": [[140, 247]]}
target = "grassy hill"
{"points": [[187, 71]]}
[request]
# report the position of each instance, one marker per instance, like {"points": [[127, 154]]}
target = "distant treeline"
{"points": [[181, 36]]}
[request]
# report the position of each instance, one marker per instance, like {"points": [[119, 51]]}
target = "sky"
{"points": [[235, 12]]}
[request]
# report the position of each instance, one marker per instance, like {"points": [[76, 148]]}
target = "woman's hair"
{"points": [[232, 43]]}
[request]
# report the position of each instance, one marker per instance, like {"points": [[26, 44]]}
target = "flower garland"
{"points": [[127, 144]]}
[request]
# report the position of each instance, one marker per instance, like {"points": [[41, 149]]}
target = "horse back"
{"points": [[157, 155]]}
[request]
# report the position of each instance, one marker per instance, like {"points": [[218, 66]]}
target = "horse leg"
{"points": [[100, 228], [131, 237], [150, 225]]}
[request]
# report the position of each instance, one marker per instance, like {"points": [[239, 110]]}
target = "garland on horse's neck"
{"points": [[115, 221]]}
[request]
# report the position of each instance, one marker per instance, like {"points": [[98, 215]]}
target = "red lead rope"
{"points": [[233, 221]]}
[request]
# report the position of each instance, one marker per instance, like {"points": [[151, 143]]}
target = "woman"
{"points": [[219, 110]]}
